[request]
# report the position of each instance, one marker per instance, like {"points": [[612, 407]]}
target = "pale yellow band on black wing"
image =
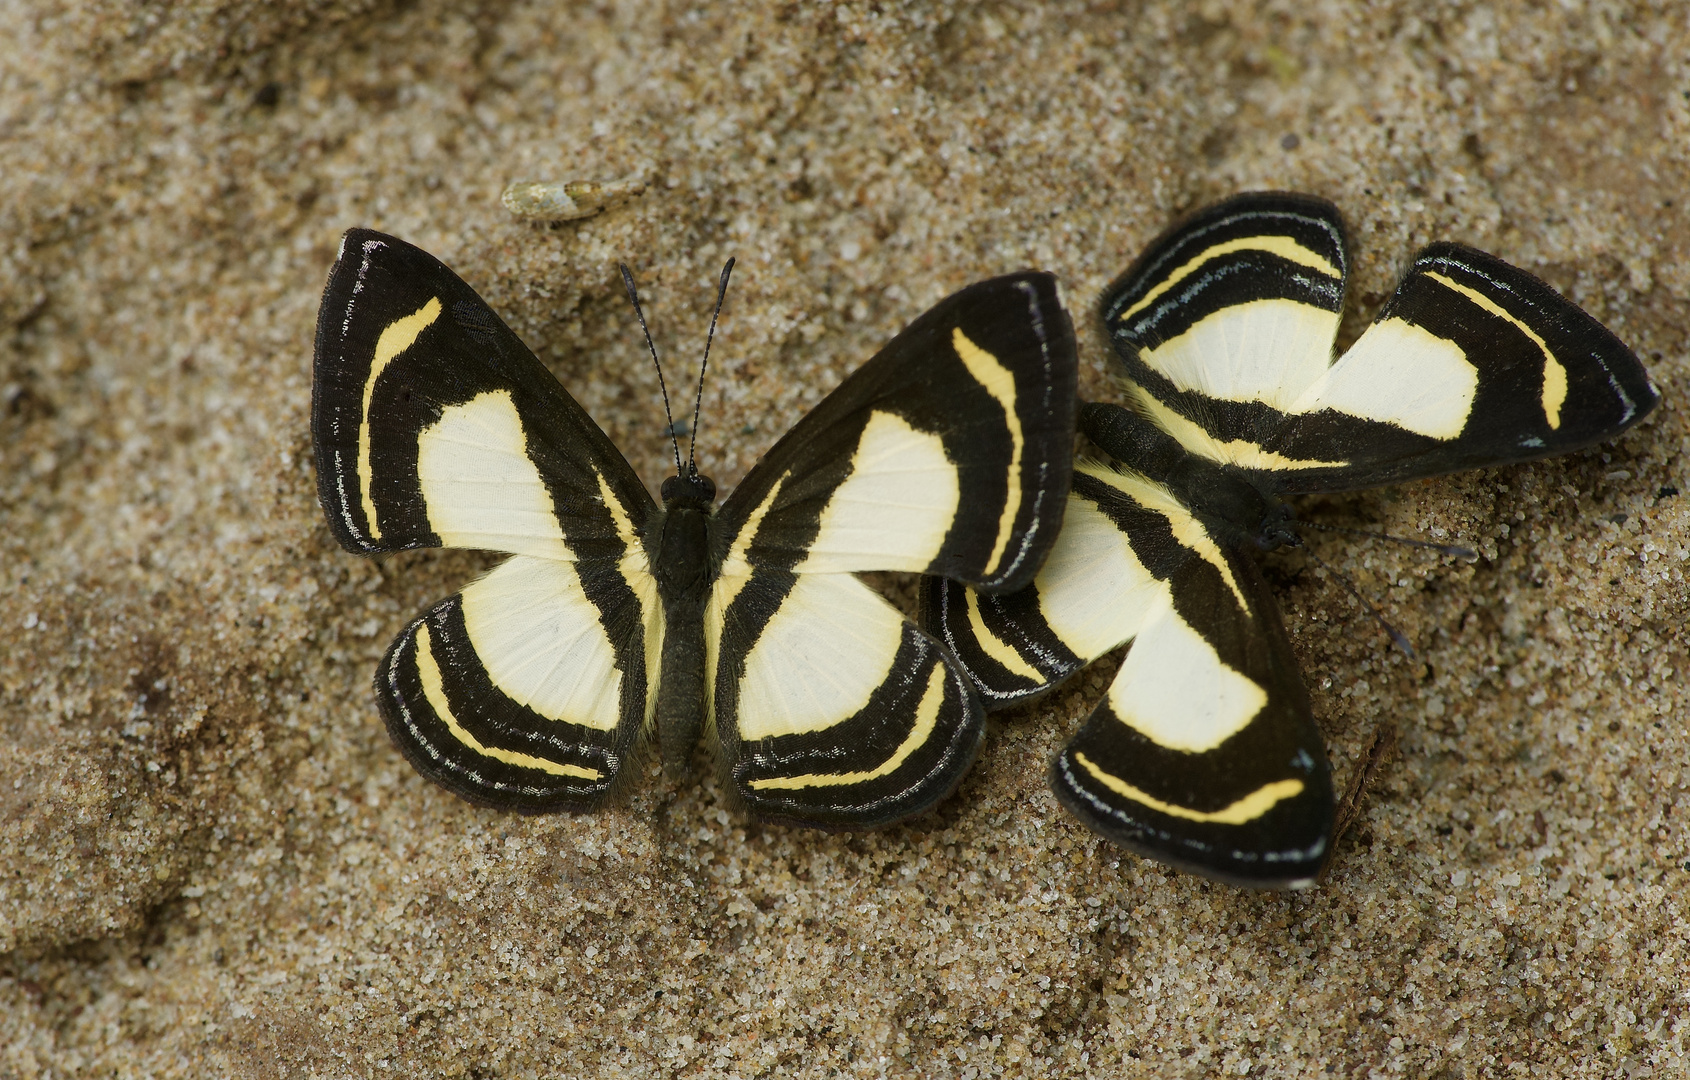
{"points": [[542, 641], [1554, 373], [1175, 690], [823, 654], [399, 335], [1402, 374], [892, 512], [999, 382], [1265, 350], [1242, 812], [479, 485], [994, 646], [435, 690], [1186, 528], [1285, 247], [1195, 438], [926, 718], [1093, 590]]}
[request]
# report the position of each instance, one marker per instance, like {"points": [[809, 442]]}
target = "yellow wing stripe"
{"points": [[1554, 374], [1244, 811], [1283, 246], [435, 690], [994, 646], [926, 718], [999, 382], [1185, 527], [400, 335], [1194, 437]]}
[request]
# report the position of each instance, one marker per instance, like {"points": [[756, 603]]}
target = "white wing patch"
{"points": [[820, 658], [894, 509], [1263, 350], [1174, 689], [1399, 373], [1093, 591], [479, 484], [542, 643]]}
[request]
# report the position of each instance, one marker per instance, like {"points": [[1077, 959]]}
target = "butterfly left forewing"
{"points": [[1204, 754], [435, 426]]}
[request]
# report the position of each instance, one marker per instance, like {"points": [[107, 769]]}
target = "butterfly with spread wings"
{"points": [[1204, 753], [948, 453]]}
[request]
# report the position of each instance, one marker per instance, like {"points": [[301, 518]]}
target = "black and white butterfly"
{"points": [[948, 453], [1204, 754]]}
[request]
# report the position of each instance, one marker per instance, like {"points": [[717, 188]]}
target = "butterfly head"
{"points": [[689, 486], [1278, 527]]}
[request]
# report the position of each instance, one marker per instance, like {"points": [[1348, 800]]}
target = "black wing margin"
{"points": [[434, 425], [948, 453]]}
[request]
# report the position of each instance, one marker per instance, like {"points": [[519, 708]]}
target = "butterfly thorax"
{"points": [[678, 545], [1231, 504]]}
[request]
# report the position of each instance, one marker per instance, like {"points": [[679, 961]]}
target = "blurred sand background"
{"points": [[212, 863]]}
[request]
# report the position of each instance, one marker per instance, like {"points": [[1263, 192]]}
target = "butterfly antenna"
{"points": [[634, 298], [698, 400], [1454, 551], [1396, 635]]}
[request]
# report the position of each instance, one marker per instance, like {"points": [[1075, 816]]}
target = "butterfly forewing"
{"points": [[1472, 362], [436, 427], [943, 454], [1204, 753]]}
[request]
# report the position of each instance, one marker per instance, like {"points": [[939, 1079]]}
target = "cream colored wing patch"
{"points": [[1261, 350], [894, 509], [1093, 591], [542, 641], [479, 484], [1175, 690], [832, 642], [1399, 373]]}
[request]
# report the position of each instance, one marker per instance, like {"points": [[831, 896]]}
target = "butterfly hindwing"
{"points": [[833, 709], [435, 426], [514, 693]]}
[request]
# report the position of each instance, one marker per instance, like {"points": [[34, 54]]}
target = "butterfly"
{"points": [[949, 452], [1204, 753]]}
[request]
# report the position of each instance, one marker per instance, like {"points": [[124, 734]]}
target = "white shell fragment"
{"points": [[538, 200]]}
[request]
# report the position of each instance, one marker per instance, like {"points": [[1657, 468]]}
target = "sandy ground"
{"points": [[212, 863]]}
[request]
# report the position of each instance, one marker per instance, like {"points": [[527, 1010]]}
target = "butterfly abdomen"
{"points": [[678, 545]]}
